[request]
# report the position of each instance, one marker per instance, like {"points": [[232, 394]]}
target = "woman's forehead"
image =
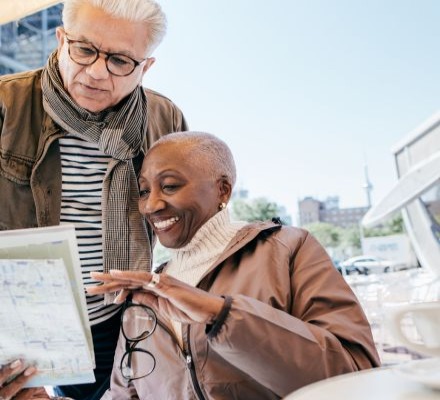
{"points": [[184, 153], [169, 156]]}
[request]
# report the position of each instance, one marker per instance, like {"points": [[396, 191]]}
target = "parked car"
{"points": [[337, 265], [369, 265]]}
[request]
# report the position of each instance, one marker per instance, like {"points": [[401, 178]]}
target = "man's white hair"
{"points": [[146, 11], [205, 151]]}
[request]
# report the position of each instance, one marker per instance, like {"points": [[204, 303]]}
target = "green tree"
{"points": [[351, 238], [258, 209], [392, 226], [327, 234]]}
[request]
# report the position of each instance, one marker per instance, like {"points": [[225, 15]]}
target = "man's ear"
{"points": [[225, 189], [59, 33], [150, 61]]}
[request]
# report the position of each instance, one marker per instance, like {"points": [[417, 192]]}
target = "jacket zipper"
{"points": [[188, 359], [192, 370]]}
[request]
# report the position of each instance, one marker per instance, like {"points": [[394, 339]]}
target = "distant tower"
{"points": [[368, 187]]}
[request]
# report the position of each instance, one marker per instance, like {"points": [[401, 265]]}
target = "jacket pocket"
{"points": [[17, 209], [15, 168]]}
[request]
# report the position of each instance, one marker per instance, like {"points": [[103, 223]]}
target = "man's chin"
{"points": [[91, 105]]}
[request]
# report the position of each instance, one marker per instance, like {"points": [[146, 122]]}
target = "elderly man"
{"points": [[73, 136]]}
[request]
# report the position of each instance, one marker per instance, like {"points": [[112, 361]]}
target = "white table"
{"points": [[377, 384]]}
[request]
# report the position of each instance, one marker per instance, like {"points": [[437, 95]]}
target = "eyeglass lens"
{"points": [[137, 363], [86, 54], [138, 322]]}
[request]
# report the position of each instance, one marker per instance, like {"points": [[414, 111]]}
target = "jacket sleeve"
{"points": [[325, 333]]}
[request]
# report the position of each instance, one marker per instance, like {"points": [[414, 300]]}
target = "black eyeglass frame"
{"points": [[106, 53], [131, 343]]}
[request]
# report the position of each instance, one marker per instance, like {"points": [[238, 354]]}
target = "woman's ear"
{"points": [[225, 189]]}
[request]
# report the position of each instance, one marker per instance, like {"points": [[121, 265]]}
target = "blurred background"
{"points": [[331, 110]]}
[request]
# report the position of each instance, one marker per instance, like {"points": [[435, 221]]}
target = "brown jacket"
{"points": [[293, 321], [30, 165]]}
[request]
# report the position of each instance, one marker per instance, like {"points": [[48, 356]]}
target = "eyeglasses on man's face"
{"points": [[138, 322], [85, 53]]}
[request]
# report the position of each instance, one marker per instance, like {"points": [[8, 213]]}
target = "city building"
{"points": [[26, 44], [311, 210]]}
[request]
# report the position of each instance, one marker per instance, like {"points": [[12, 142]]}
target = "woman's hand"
{"points": [[166, 295], [13, 376]]}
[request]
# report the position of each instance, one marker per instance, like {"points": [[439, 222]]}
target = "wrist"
{"points": [[217, 306], [213, 328]]}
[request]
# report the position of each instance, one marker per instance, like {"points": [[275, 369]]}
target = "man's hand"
{"points": [[12, 379]]}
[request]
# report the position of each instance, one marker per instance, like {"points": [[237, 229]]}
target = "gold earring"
{"points": [[222, 206]]}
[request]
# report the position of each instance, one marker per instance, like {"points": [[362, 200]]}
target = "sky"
{"points": [[305, 92]]}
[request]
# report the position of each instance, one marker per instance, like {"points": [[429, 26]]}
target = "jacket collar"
{"points": [[243, 237], [246, 235]]}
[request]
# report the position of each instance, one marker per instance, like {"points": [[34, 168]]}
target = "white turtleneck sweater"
{"points": [[190, 262]]}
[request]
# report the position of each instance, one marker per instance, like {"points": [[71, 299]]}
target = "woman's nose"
{"points": [[151, 204]]}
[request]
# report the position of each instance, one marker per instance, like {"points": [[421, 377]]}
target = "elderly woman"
{"points": [[244, 311]]}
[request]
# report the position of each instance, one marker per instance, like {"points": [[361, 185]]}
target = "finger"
{"points": [[120, 298], [27, 394], [98, 289], [107, 287], [132, 276], [112, 284], [147, 281], [12, 388], [101, 276], [111, 277], [37, 393], [9, 370], [104, 278]]}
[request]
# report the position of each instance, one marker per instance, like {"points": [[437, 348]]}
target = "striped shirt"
{"points": [[83, 168]]}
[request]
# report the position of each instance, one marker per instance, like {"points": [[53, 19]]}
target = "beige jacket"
{"points": [[30, 165], [293, 321]]}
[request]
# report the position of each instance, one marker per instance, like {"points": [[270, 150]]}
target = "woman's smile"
{"points": [[164, 224]]}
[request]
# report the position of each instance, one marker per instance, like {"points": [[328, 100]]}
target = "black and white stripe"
{"points": [[83, 168]]}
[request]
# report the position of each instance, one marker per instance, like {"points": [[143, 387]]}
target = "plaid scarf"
{"points": [[118, 132]]}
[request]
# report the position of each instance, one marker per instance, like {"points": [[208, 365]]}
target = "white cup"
{"points": [[425, 317]]}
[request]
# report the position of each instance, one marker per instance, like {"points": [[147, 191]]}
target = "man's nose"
{"points": [[98, 70]]}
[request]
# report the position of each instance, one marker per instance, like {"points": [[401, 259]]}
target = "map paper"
{"points": [[43, 314]]}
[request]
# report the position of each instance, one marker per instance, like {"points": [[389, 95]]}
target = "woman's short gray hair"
{"points": [[147, 11], [205, 151]]}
